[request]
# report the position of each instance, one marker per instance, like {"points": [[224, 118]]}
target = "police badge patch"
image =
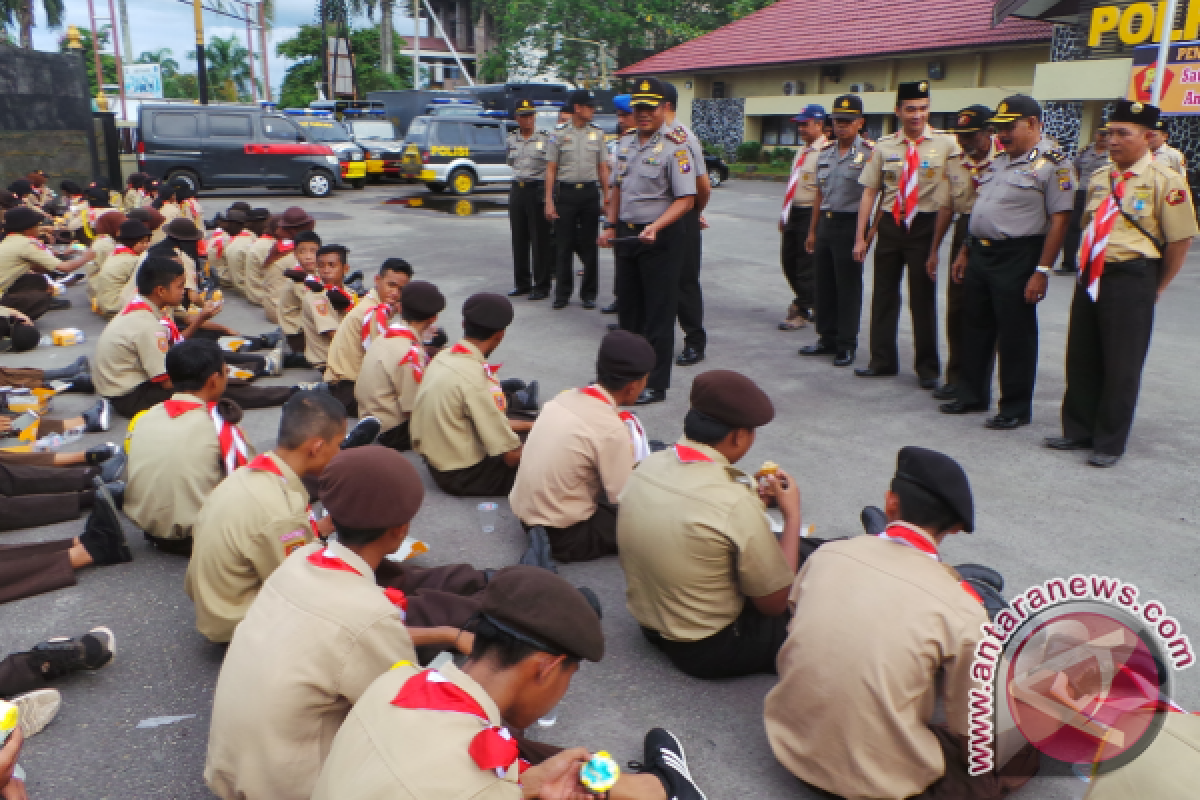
{"points": [[678, 136], [1064, 179], [1175, 197], [685, 164]]}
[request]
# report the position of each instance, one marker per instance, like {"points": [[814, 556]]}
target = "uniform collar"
{"points": [[350, 557], [289, 475], [372, 296], [918, 531], [712, 454], [1139, 166], [1037, 151], [469, 685], [186, 397], [474, 352], [819, 142]]}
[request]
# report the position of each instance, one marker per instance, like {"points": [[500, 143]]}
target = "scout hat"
{"points": [[913, 90], [183, 229], [70, 187], [810, 111], [370, 488], [524, 107], [1138, 113], [624, 355], [96, 196], [540, 609], [732, 398], [941, 476], [295, 217], [971, 119], [150, 216], [648, 92], [848, 106], [133, 228], [487, 310], [623, 103], [258, 214], [422, 299], [236, 215], [22, 218], [1015, 107]]}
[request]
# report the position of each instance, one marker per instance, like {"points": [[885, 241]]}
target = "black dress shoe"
{"points": [[927, 383], [1002, 423], [649, 396], [871, 372], [614, 326], [689, 356], [959, 407], [874, 521], [978, 572], [518, 292], [611, 308], [948, 392], [1103, 460], [818, 349], [559, 304], [589, 304], [1066, 443], [538, 294], [364, 433], [844, 358]]}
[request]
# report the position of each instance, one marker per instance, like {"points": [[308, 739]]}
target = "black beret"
{"points": [[581, 97], [96, 196], [236, 215], [1138, 113], [487, 310], [370, 488], [241, 205], [22, 218], [534, 603], [941, 476], [731, 398], [256, 214], [71, 187], [913, 90], [625, 355], [422, 299], [21, 187]]}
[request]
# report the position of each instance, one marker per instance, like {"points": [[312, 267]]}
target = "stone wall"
{"points": [[719, 121]]}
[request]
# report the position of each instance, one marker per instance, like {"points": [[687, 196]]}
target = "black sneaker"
{"points": [[57, 657], [665, 759], [295, 361], [100, 454], [98, 416], [874, 521], [365, 432], [539, 553], [100, 648], [111, 470], [527, 398], [81, 384], [102, 536]]}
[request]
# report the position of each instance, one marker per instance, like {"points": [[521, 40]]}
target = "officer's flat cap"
{"points": [[487, 310], [941, 476], [150, 216], [542, 610], [422, 299], [1015, 107], [184, 229], [370, 488], [1137, 113], [133, 228], [294, 217], [22, 218], [971, 119], [580, 97], [257, 214], [625, 355], [732, 398], [848, 106], [648, 92], [913, 90], [525, 106]]}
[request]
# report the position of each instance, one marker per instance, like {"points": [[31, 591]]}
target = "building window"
{"points": [[778, 131], [718, 90]]}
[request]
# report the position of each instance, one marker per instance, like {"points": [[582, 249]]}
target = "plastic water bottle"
{"points": [[550, 719], [487, 516]]}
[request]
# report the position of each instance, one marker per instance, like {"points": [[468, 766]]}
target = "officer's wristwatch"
{"points": [[610, 226], [1044, 270]]}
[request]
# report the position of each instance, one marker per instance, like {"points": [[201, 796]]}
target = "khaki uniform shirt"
{"points": [[459, 415], [384, 752], [346, 350], [1171, 158], [652, 175], [313, 641], [579, 152], [886, 166], [1169, 769], [579, 450], [133, 199], [962, 174], [694, 542], [235, 257], [189, 276], [246, 528], [102, 248], [320, 322], [253, 267], [806, 160], [1017, 197], [17, 254], [838, 173], [876, 626], [109, 283], [385, 388], [275, 283], [1156, 197], [174, 464], [291, 306], [527, 157], [132, 349], [1087, 163], [170, 211]]}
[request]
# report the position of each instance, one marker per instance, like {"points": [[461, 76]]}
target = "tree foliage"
{"points": [[227, 66], [108, 63], [298, 88], [18, 15], [176, 84]]}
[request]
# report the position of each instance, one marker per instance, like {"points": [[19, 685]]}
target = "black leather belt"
{"points": [[577, 185], [1011, 241], [531, 183], [839, 215]]}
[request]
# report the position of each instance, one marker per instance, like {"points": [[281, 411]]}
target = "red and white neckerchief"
{"points": [[489, 372], [192, 207], [637, 434], [1095, 238], [904, 207], [123, 250], [794, 179], [415, 354], [138, 303], [977, 168], [325, 558], [343, 291], [690, 455], [244, 233], [902, 535], [265, 464], [217, 244], [234, 452], [375, 323], [493, 748]]}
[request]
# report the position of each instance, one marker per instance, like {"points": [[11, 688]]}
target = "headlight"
{"points": [[356, 156], [331, 159]]}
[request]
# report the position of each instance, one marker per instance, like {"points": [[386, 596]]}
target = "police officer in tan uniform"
{"points": [[528, 149], [706, 579], [905, 176], [881, 632], [1112, 313], [25, 263], [797, 261], [259, 515]]}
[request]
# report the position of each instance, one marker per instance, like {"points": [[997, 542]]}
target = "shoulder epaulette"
{"points": [[1054, 156], [678, 135], [890, 136], [867, 143]]}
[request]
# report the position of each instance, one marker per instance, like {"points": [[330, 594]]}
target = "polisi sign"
{"points": [[1139, 23]]}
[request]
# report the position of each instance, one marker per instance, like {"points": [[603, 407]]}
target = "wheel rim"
{"points": [[319, 184], [462, 183], [714, 177]]}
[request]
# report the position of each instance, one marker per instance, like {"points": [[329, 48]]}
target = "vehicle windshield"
{"points": [[322, 130], [417, 130], [372, 129]]}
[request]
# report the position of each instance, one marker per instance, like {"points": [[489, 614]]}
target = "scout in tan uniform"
{"points": [[880, 629], [180, 449], [1132, 250], [132, 239], [325, 305], [238, 250], [425, 734], [459, 424], [580, 454], [229, 224], [103, 245], [259, 515], [20, 332], [1169, 769], [135, 196], [256, 254], [531, 232], [1169, 156], [905, 176], [395, 365], [797, 216], [361, 326], [319, 632], [706, 579], [25, 263], [282, 257], [293, 292]]}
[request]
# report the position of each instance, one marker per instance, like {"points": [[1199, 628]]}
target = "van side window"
{"points": [[449, 133], [486, 135], [279, 128], [173, 125], [230, 125]]}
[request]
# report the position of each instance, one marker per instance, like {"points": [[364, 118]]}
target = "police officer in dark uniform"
{"points": [[577, 172], [831, 235], [654, 187], [527, 149]]}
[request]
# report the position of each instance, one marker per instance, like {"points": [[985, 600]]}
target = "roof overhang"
{"points": [[1057, 11]]}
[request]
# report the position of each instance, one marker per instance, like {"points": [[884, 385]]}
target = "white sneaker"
{"points": [[37, 709], [274, 360]]}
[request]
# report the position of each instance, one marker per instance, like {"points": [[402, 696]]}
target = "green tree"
{"points": [[108, 63], [19, 14], [227, 65], [298, 88], [176, 84]]}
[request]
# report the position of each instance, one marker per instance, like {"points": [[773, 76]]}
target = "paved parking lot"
{"points": [[1041, 514]]}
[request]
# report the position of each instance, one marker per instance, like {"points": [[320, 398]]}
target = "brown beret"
{"points": [[422, 299], [487, 310], [625, 355], [150, 216], [133, 228], [370, 488], [22, 219], [534, 603], [732, 398]]}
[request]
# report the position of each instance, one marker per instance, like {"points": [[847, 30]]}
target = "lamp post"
{"points": [[1166, 25], [201, 68]]}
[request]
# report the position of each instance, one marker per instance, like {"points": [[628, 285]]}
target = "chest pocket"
{"points": [[891, 172], [824, 175], [1139, 202], [1023, 180], [958, 184]]}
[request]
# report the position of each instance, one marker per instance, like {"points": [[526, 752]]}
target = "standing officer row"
{"points": [[527, 152], [794, 222]]}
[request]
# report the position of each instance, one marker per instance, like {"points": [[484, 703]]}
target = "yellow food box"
{"points": [[67, 336]]}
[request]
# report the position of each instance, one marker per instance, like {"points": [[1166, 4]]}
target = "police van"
{"points": [[371, 129], [322, 126]]}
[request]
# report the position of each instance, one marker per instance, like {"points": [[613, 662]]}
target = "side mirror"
{"points": [[300, 137]]}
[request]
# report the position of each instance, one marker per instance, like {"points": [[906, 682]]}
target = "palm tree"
{"points": [[19, 13], [164, 57], [228, 67]]}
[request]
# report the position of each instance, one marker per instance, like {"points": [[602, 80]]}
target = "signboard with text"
{"points": [[143, 80], [1181, 80]]}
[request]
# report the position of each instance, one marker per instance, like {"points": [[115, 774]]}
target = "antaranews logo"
{"points": [[1084, 669]]}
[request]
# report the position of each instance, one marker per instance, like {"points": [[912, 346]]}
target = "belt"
{"points": [[840, 215], [1007, 242], [575, 185], [634, 226], [532, 182]]}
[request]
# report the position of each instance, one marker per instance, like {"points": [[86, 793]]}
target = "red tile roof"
{"points": [[794, 31], [432, 44]]}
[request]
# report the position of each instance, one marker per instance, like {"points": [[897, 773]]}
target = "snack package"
{"points": [[64, 337], [600, 774]]}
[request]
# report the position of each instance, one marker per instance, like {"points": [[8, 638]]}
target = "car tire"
{"points": [[462, 181], [359, 183], [714, 178], [436, 187], [186, 176], [319, 183]]}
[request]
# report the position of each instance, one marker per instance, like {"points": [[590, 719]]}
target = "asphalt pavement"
{"points": [[1040, 513]]}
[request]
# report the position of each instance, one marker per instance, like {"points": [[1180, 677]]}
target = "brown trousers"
{"points": [[344, 392], [397, 438], [587, 540], [149, 394], [22, 377], [31, 569], [31, 496], [896, 249], [30, 294], [489, 478]]}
